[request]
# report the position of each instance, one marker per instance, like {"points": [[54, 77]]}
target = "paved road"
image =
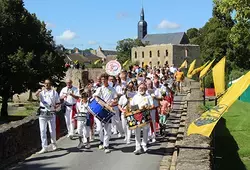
{"points": [[121, 157]]}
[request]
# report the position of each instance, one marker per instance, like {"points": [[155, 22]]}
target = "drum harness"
{"points": [[46, 113]]}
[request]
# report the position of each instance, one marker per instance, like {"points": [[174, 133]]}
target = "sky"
{"points": [[92, 23]]}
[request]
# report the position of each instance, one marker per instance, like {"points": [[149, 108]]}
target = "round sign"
{"points": [[113, 68]]}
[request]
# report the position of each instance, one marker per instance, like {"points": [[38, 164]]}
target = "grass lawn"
{"points": [[28, 110], [232, 140]]}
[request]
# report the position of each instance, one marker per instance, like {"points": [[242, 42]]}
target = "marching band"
{"points": [[122, 103]]}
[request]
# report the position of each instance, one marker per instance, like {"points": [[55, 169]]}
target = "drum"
{"points": [[47, 114], [81, 116], [138, 118], [98, 108]]}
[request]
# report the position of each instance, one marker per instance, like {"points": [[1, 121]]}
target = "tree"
{"points": [[124, 48], [28, 52], [239, 35]]}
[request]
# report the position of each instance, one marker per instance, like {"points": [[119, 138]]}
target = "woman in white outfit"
{"points": [[124, 102]]}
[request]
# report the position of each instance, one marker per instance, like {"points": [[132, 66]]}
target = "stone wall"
{"points": [[83, 75], [194, 159], [19, 139]]}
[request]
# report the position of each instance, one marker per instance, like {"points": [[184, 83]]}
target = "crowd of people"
{"points": [[152, 88]]}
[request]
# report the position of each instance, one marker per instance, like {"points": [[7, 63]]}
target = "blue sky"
{"points": [[92, 23]]}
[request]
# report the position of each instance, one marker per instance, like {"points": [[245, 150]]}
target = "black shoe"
{"points": [[137, 152]]}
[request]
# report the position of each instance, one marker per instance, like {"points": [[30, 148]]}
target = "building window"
{"points": [[166, 63], [150, 54], [166, 53], [158, 53], [150, 63], [142, 54], [142, 64], [158, 63], [186, 52], [135, 54]]}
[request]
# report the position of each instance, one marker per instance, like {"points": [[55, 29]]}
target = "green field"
{"points": [[232, 138]]}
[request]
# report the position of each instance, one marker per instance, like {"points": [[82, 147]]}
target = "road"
{"points": [[121, 157]]}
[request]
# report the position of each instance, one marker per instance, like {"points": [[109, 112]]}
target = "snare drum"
{"points": [[98, 108], [84, 117], [138, 119], [46, 114]]}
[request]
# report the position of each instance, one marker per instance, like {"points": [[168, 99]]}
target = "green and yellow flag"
{"points": [[191, 68], [183, 65], [199, 69], [125, 63], [205, 124], [97, 61], [219, 76], [205, 70]]}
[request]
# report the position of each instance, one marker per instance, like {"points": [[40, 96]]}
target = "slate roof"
{"points": [[90, 56], [79, 57], [109, 52], [169, 38]]}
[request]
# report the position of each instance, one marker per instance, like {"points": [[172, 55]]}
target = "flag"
{"points": [[219, 76], [125, 63], [184, 64], [205, 70], [199, 69], [191, 68], [97, 61], [205, 124]]}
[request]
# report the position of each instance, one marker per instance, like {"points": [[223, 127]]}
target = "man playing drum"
{"points": [[142, 100], [49, 102], [109, 95]]}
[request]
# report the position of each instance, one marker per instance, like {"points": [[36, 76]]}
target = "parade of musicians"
{"points": [[82, 89]]}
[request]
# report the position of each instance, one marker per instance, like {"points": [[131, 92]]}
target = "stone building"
{"points": [[161, 49], [106, 55], [159, 55]]}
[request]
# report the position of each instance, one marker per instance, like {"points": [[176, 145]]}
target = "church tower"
{"points": [[142, 26]]}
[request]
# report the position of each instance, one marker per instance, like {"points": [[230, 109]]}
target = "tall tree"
{"points": [[28, 52], [124, 48], [239, 35]]}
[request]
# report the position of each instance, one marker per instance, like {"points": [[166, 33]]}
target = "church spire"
{"points": [[142, 14], [142, 26]]}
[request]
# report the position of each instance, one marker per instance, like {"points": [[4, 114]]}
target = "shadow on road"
{"points": [[39, 166]]}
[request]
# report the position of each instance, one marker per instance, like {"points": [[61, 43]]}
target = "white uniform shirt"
{"points": [[106, 93], [82, 107], [124, 83], [123, 101], [69, 99], [142, 100], [157, 93], [48, 99], [118, 89]]}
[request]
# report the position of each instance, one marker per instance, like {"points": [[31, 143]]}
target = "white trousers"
{"points": [[152, 114], [138, 142], [69, 121], [116, 122], [126, 130], [43, 122], [83, 130], [104, 132]]}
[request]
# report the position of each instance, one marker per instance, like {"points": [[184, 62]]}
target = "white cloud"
{"points": [[67, 35], [92, 42], [122, 15], [50, 25], [168, 25]]}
